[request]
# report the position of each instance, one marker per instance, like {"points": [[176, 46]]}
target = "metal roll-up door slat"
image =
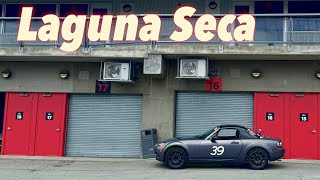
{"points": [[198, 112], [104, 126]]}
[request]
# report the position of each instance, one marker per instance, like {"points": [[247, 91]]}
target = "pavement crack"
{"points": [[63, 163], [301, 176]]}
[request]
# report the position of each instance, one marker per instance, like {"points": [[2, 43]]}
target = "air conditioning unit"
{"points": [[114, 71], [212, 6], [193, 68], [126, 8]]}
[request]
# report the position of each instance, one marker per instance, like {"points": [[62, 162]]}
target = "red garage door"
{"points": [[292, 117], [19, 116], [270, 114], [51, 115], [303, 126], [34, 124]]}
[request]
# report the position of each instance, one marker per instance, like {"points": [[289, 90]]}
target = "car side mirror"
{"points": [[213, 139]]}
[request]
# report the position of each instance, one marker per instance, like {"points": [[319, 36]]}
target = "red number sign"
{"points": [[214, 85], [103, 87]]}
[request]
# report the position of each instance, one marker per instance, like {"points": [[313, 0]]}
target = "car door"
{"points": [[224, 145]]}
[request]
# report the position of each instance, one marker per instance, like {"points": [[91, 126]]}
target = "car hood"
{"points": [[176, 139]]}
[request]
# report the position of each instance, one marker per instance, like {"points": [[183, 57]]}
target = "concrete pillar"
{"points": [[158, 109], [158, 103]]}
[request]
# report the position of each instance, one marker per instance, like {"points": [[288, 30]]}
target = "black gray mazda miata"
{"points": [[222, 144]]}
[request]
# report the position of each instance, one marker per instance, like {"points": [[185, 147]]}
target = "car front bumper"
{"points": [[277, 153], [158, 155]]}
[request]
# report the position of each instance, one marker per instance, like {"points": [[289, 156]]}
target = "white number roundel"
{"points": [[217, 150]]}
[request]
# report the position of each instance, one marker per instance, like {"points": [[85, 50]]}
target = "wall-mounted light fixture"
{"points": [[256, 74], [64, 74], [318, 74], [6, 74], [126, 7], [213, 5]]}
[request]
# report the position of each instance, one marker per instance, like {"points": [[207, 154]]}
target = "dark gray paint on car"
{"points": [[235, 150]]}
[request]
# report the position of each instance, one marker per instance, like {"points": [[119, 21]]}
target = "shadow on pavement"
{"points": [[215, 166], [222, 166], [274, 166]]}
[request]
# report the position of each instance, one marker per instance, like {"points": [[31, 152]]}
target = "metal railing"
{"points": [[281, 29]]}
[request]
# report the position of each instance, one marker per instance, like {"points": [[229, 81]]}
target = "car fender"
{"points": [[247, 148], [176, 144]]}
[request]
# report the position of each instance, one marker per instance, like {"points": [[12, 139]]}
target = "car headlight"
{"points": [[279, 144], [161, 146]]}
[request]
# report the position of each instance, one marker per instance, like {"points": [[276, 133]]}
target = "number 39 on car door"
{"points": [[217, 150], [224, 144]]}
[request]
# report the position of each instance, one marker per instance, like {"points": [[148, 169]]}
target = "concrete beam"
{"points": [[309, 52]]}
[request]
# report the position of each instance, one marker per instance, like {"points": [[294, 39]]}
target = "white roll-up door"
{"points": [[101, 125], [198, 112]]}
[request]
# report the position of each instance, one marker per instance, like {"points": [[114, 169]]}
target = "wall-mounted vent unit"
{"points": [[114, 71], [193, 68], [126, 8]]}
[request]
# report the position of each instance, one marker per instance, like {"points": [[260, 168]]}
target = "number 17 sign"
{"points": [[214, 85], [103, 87]]}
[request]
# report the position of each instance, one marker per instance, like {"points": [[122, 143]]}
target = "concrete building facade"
{"points": [[285, 52]]}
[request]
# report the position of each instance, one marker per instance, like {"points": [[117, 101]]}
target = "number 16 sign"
{"points": [[214, 84]]}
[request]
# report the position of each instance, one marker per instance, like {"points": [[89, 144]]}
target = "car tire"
{"points": [[257, 159], [176, 158]]}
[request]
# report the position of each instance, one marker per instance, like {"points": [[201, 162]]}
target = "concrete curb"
{"points": [[88, 159], [112, 159], [300, 161]]}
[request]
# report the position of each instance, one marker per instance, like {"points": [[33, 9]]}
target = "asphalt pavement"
{"points": [[34, 168]]}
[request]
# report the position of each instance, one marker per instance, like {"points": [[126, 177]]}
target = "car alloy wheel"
{"points": [[176, 158], [257, 159]]}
